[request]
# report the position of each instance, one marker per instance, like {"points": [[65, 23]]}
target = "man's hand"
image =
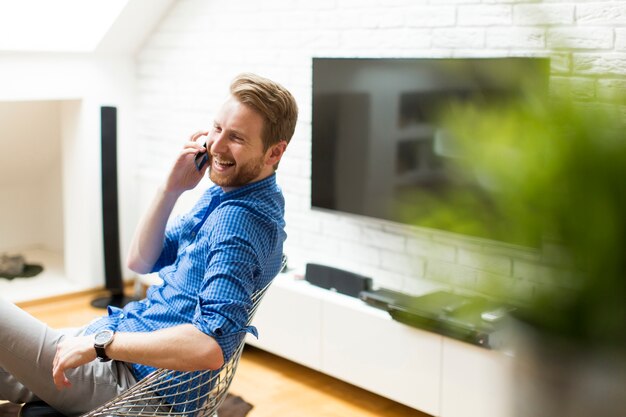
{"points": [[71, 353], [184, 175]]}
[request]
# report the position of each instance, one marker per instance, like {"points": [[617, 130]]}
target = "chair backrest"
{"points": [[174, 393]]}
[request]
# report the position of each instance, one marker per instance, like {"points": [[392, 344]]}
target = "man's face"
{"points": [[235, 147]]}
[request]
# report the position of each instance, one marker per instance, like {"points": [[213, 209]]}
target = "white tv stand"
{"points": [[344, 337]]}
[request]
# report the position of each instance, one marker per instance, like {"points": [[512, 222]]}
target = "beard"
{"points": [[236, 176]]}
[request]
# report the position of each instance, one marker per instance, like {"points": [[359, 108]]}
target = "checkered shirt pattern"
{"points": [[213, 259]]}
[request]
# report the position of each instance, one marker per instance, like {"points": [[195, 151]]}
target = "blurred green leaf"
{"points": [[547, 170]]}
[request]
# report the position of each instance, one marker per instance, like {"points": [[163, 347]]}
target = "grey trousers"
{"points": [[27, 349]]}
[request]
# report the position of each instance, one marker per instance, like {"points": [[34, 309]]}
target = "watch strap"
{"points": [[101, 353]]}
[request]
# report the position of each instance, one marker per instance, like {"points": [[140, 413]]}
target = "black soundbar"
{"points": [[343, 282]]}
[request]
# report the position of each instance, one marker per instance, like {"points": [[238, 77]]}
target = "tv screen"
{"points": [[378, 148]]}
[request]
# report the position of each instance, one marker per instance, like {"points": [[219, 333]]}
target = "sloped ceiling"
{"points": [[78, 26]]}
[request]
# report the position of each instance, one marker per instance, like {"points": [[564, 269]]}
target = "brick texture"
{"points": [[185, 66]]}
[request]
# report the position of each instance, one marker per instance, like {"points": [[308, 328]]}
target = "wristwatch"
{"points": [[103, 339]]}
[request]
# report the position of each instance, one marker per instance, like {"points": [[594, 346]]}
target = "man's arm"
{"points": [[181, 348], [147, 242], [149, 236]]}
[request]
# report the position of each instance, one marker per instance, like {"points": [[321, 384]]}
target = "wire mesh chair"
{"points": [[170, 393]]}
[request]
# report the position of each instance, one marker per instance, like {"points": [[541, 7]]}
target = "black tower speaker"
{"points": [[110, 219]]}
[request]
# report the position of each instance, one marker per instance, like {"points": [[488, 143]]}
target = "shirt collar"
{"points": [[266, 183]]}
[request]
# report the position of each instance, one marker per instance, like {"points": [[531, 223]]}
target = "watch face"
{"points": [[103, 337]]}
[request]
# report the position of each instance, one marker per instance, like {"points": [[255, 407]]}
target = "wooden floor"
{"points": [[276, 387]]}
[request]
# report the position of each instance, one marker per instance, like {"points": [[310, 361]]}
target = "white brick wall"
{"points": [[186, 65], [620, 39], [581, 38]]}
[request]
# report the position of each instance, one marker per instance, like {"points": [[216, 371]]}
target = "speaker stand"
{"points": [[115, 300]]}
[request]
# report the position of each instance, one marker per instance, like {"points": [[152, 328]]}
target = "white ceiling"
{"points": [[56, 26], [77, 26]]}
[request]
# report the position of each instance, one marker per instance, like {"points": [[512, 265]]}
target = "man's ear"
{"points": [[275, 152]]}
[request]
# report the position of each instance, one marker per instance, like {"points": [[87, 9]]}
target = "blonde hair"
{"points": [[273, 102]]}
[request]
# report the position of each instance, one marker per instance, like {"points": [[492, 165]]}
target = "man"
{"points": [[211, 260]]}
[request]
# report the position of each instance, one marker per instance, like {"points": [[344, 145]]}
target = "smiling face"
{"points": [[235, 147]]}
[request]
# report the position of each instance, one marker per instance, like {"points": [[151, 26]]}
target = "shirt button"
{"points": [[193, 234]]}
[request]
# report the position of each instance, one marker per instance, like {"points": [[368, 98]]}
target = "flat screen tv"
{"points": [[377, 142]]}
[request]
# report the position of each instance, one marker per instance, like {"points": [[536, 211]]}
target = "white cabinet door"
{"points": [[367, 348], [289, 325], [475, 381]]}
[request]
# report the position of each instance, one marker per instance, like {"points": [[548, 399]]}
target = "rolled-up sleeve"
{"points": [[225, 302], [232, 275]]}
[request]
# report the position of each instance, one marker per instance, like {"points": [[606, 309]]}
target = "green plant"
{"points": [[552, 171]]}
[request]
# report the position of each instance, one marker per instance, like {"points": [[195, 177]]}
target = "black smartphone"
{"points": [[202, 158]]}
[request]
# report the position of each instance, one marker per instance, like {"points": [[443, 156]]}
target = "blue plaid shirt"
{"points": [[213, 259]]}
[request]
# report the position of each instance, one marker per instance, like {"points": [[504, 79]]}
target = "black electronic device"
{"points": [[201, 158], [343, 282], [378, 144], [469, 318], [110, 217], [382, 298]]}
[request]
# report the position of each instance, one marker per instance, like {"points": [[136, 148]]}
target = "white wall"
{"points": [[74, 86], [77, 84], [30, 175], [184, 69]]}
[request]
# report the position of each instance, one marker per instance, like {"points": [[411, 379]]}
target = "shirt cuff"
{"points": [[224, 332]]}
